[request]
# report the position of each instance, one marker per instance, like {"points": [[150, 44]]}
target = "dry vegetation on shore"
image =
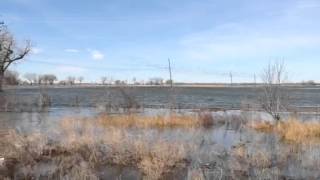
{"points": [[292, 130], [83, 148]]}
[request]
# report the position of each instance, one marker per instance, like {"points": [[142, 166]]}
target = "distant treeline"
{"points": [[14, 78]]}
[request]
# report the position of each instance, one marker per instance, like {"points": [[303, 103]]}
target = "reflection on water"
{"points": [[27, 122]]}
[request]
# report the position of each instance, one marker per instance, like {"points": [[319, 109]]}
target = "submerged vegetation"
{"points": [[158, 147], [84, 148]]}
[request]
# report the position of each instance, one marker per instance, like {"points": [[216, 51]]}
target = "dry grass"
{"points": [[293, 130], [85, 146], [170, 121]]}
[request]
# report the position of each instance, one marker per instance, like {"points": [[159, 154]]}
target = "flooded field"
{"points": [[107, 133], [157, 97], [222, 146]]}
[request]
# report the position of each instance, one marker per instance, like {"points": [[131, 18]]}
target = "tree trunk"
{"points": [[1, 81]]}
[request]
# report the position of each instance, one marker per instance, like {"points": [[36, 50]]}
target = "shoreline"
{"points": [[251, 86]]}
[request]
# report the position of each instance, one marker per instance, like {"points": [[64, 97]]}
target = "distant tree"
{"points": [[156, 81], [104, 79], [9, 51], [80, 79], [274, 99], [134, 80], [47, 79], [11, 78], [40, 79], [310, 83], [51, 78], [71, 80], [62, 82], [117, 82], [31, 77], [169, 82]]}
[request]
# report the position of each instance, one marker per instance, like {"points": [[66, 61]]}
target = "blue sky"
{"points": [[205, 39]]}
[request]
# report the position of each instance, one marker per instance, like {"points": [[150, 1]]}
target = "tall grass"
{"points": [[293, 130]]}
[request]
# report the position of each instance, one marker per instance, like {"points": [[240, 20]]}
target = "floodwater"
{"points": [[19, 108], [22, 113], [156, 97]]}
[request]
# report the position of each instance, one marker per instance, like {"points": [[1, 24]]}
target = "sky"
{"points": [[204, 39]]}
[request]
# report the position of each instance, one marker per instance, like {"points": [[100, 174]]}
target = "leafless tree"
{"points": [[274, 98], [47, 79], [104, 79], [31, 77], [80, 79], [155, 81], [51, 78], [71, 80], [11, 77], [10, 52]]}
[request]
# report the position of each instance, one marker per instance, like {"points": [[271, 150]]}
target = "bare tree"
{"points": [[51, 78], [11, 77], [104, 79], [80, 79], [71, 80], [31, 77], [9, 51], [275, 98]]}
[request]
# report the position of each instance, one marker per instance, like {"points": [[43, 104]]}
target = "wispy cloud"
{"points": [[36, 51], [72, 50], [96, 54], [207, 48]]}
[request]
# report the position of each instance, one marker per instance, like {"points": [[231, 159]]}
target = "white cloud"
{"points": [[36, 50], [96, 55], [71, 50]]}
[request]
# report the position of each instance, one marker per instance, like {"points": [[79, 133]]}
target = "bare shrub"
{"points": [[129, 101], [274, 98]]}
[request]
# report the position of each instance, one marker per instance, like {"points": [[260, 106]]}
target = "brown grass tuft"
{"points": [[170, 121], [293, 130]]}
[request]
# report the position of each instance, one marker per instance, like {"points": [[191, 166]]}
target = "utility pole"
{"points": [[170, 72], [231, 76], [255, 79]]}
